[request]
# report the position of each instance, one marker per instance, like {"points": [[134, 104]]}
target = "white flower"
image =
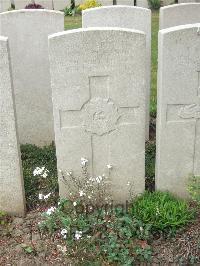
{"points": [[45, 174], [50, 210], [78, 235], [63, 233], [89, 197], [128, 184], [81, 193], [99, 179], [47, 196], [40, 196], [74, 203], [109, 166], [58, 203], [141, 229], [84, 161], [38, 171]]}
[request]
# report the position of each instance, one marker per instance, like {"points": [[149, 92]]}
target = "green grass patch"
{"points": [[33, 157], [164, 212]]}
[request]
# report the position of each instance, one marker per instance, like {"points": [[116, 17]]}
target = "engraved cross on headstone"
{"points": [[189, 112], [99, 115]]}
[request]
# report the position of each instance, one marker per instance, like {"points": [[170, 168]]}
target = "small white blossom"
{"points": [[141, 229], [45, 174], [109, 166], [84, 161], [47, 196], [40, 196], [58, 203], [50, 210], [128, 184], [38, 171], [74, 203], [78, 235], [81, 193], [89, 197], [64, 233]]}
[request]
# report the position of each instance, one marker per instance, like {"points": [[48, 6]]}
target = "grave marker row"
{"points": [[99, 85]]}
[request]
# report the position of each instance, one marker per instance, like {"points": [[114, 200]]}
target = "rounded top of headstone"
{"points": [[96, 29], [195, 27], [116, 8], [36, 11], [181, 5]]}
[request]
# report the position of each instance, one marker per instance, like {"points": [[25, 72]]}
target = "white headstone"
{"points": [[178, 115], [5, 5], [125, 2], [61, 4], [142, 3], [21, 4], [187, 1], [125, 17], [99, 114], [180, 14], [11, 182], [28, 32]]}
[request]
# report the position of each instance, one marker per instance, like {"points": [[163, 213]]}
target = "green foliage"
{"points": [[194, 188], [4, 218], [33, 157], [154, 4], [164, 212], [150, 155], [110, 235]]}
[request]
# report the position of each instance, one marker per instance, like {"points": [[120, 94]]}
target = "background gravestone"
{"points": [[4, 5], [99, 114], [28, 32], [178, 115], [11, 182], [180, 14], [125, 17]]}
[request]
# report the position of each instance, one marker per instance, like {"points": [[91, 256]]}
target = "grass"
{"points": [[75, 22]]}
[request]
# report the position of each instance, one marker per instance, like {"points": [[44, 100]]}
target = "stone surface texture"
{"points": [[28, 32], [61, 4], [98, 86], [178, 113], [125, 17], [11, 181], [4, 5], [179, 14]]}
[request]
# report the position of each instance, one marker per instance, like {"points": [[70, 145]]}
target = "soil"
{"points": [[22, 244]]}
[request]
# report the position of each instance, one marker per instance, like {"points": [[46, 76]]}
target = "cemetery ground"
{"points": [[158, 237]]}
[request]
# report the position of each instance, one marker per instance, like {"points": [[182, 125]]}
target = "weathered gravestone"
{"points": [[28, 32], [99, 114], [125, 2], [181, 14], [125, 17], [11, 181], [4, 5], [178, 120], [61, 4]]}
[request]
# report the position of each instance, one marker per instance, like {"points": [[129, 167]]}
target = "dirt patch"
{"points": [[22, 244]]}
